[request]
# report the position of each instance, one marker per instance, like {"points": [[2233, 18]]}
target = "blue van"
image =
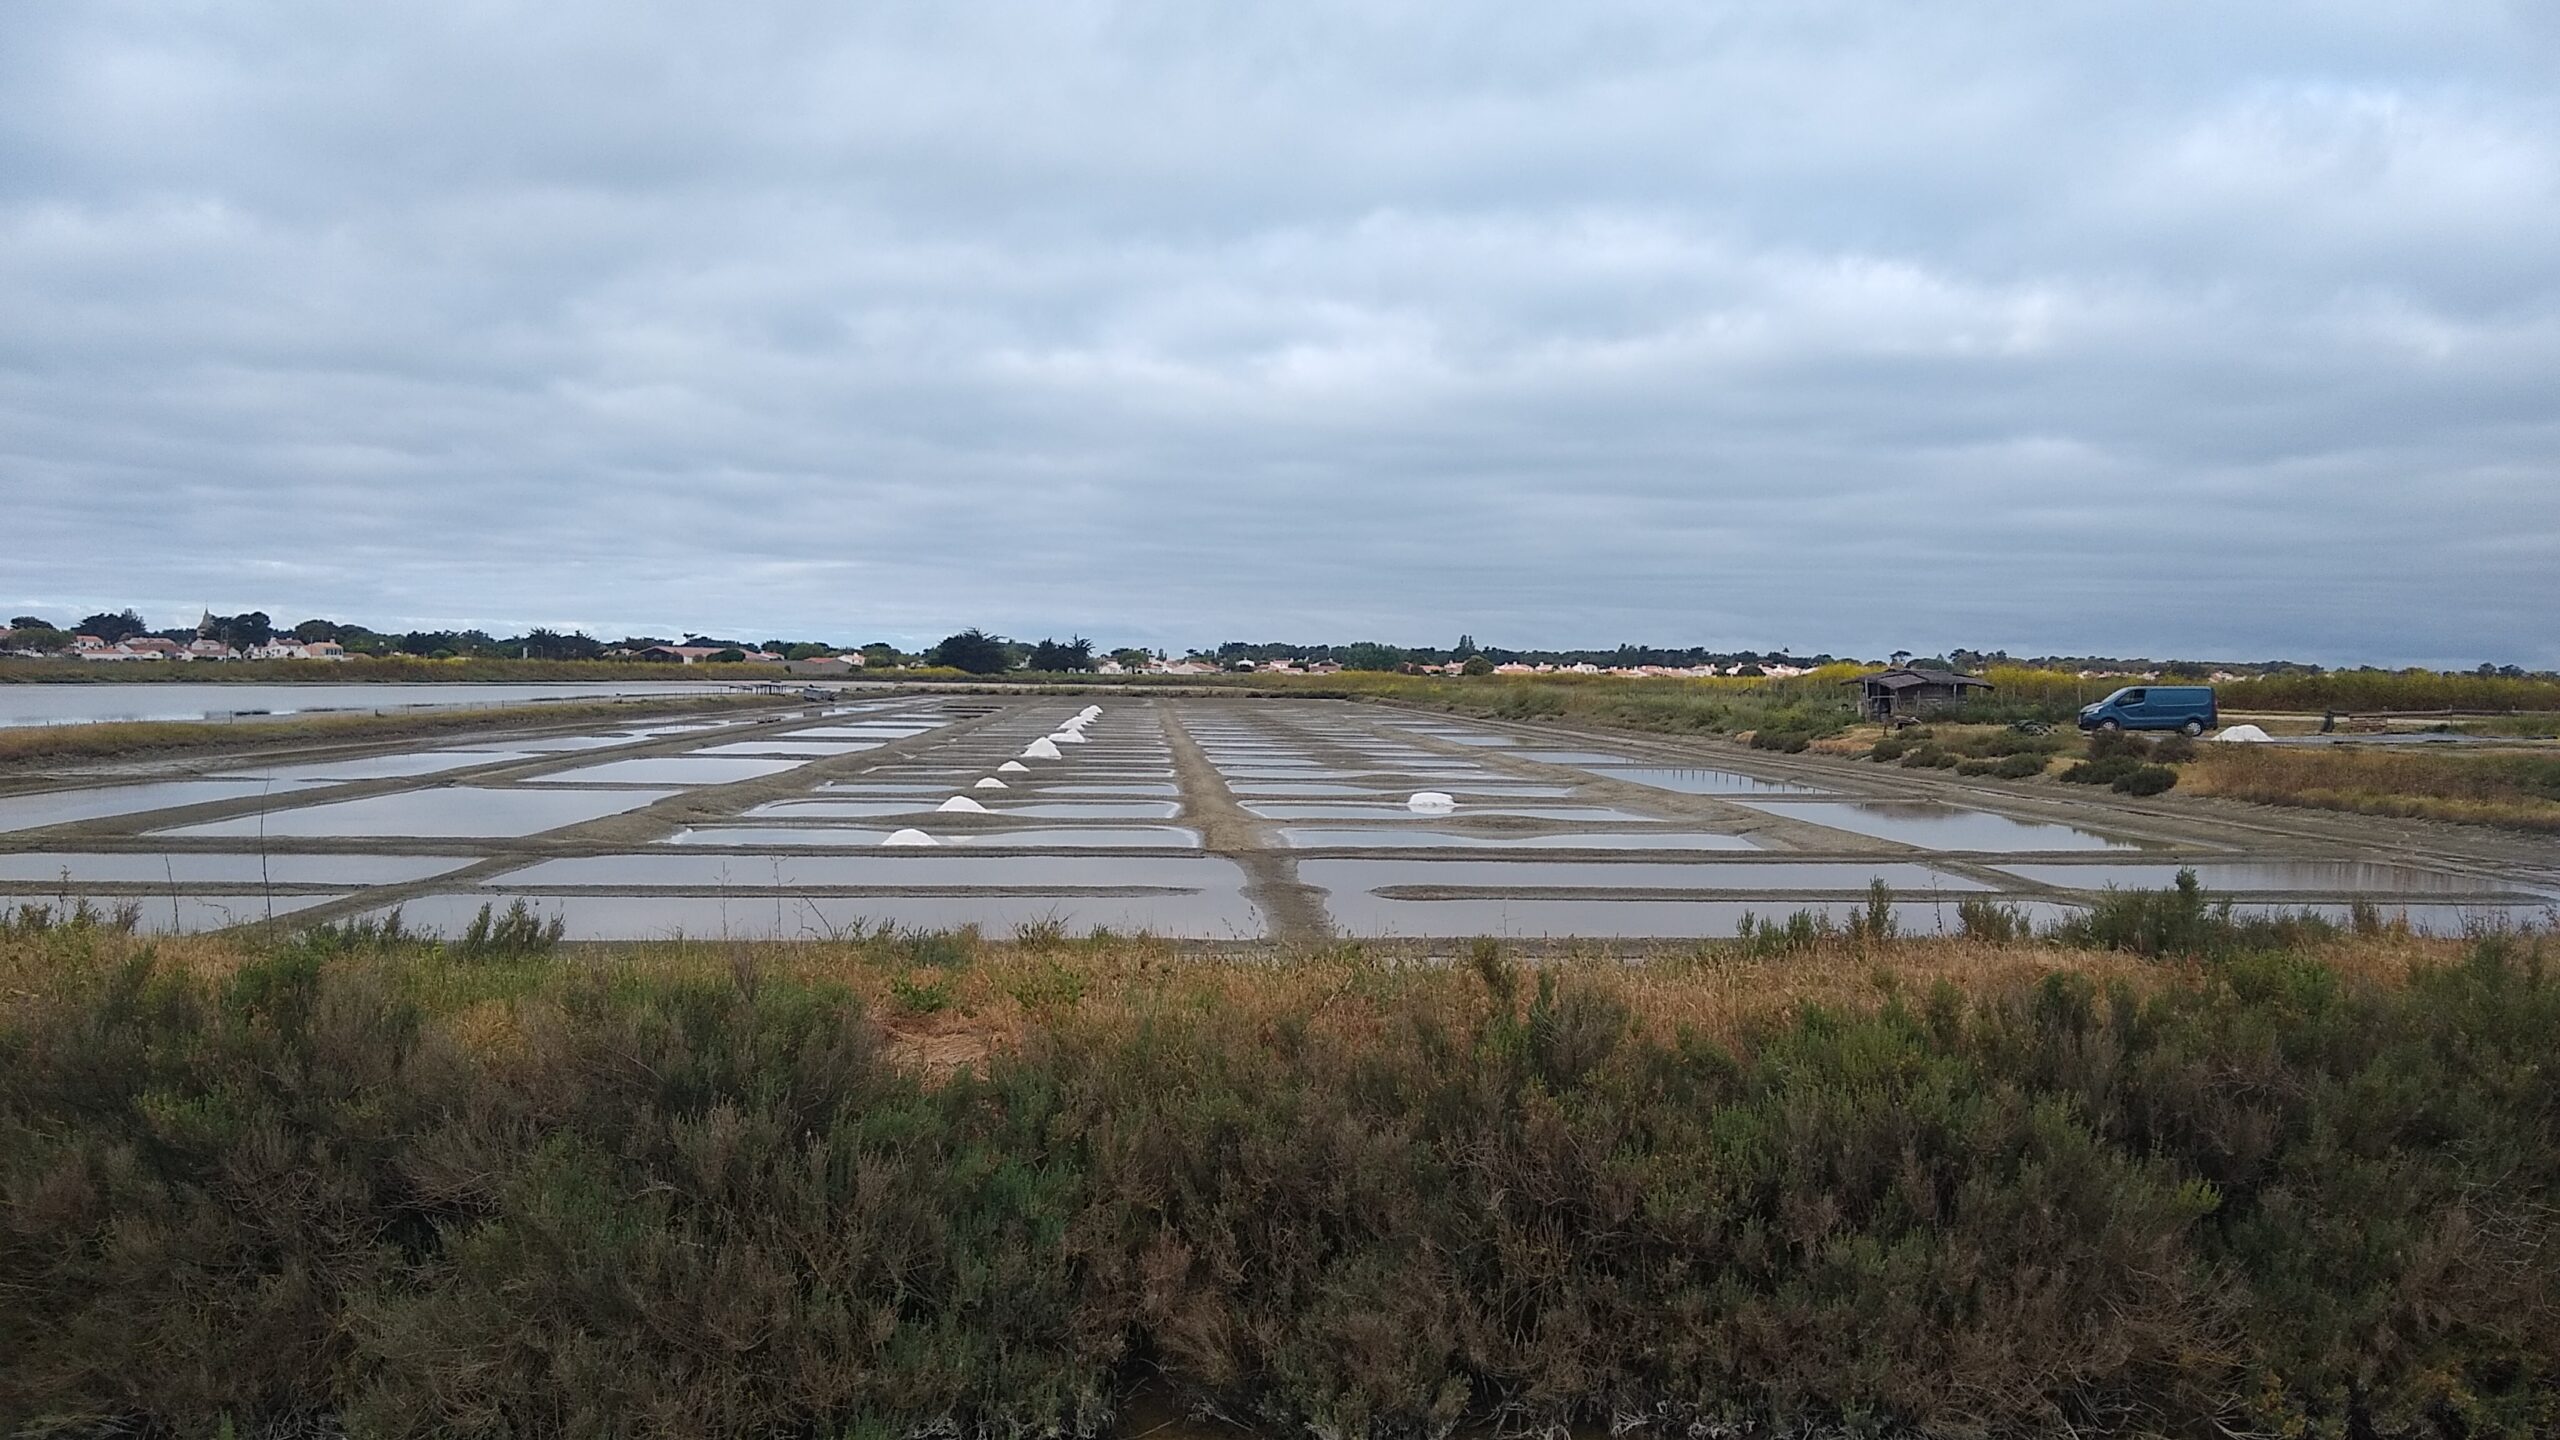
{"points": [[2187, 708]]}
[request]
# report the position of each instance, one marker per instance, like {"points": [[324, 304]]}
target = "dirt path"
{"points": [[1294, 910]]}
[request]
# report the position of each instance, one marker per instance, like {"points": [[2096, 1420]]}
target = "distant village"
{"points": [[125, 638], [285, 647]]}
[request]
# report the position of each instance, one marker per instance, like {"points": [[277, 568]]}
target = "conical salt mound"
{"points": [[990, 783], [1431, 800], [1040, 750], [910, 837], [1068, 737], [961, 804], [1014, 767]]}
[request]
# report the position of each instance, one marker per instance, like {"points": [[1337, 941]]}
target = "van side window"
{"points": [[2134, 697]]}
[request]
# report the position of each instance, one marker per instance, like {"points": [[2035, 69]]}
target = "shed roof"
{"points": [[1903, 677]]}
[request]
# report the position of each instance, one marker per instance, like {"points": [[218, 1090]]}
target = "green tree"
{"points": [[972, 650], [30, 622], [1476, 665], [1049, 655], [112, 628], [541, 644], [731, 655], [1131, 658], [240, 632], [43, 639]]}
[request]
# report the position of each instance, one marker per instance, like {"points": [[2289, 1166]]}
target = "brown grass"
{"points": [[2512, 788], [998, 994]]}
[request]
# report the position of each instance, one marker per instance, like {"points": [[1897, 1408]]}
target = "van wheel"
{"points": [[2109, 726], [2192, 729]]}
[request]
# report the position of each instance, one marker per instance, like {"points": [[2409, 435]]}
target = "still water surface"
{"points": [[91, 704]]}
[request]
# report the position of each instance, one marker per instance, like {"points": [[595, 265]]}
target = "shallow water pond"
{"points": [[1368, 916], [1932, 826], [442, 812], [1778, 876], [199, 868], [380, 767], [668, 770], [789, 747], [186, 914], [1328, 810], [1407, 837], [65, 807], [1195, 915], [1700, 782], [997, 808], [2301, 876], [1139, 837], [921, 869]]}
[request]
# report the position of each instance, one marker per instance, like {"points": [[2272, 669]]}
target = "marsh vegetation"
{"points": [[2175, 1172]]}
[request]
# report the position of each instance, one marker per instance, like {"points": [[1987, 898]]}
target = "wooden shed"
{"points": [[1904, 690]]}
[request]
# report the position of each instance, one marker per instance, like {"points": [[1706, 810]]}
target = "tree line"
{"points": [[979, 652]]}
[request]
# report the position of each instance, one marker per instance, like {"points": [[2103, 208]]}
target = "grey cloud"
{"points": [[2178, 329]]}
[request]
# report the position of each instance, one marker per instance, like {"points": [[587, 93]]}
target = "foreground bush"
{"points": [[2258, 1196]]}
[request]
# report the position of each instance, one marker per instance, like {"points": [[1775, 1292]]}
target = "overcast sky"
{"points": [[2137, 328]]}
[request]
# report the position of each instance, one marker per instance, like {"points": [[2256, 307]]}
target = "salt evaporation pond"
{"points": [[93, 704]]}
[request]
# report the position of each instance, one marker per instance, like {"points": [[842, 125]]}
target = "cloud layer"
{"points": [[1847, 325]]}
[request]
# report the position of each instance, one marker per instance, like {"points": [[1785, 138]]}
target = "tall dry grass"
{"points": [[2498, 788], [1814, 704]]}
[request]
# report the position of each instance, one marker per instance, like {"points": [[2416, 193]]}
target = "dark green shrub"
{"points": [[2019, 766], [2110, 744], [517, 933], [1791, 742], [2263, 1196], [2183, 921], [1889, 748], [2105, 771], [1978, 918], [2146, 780], [1804, 930]]}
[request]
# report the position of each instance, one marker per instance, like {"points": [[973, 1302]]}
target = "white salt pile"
{"points": [[1040, 750], [990, 783], [1429, 800], [1013, 767], [1068, 737], [2246, 734], [962, 804], [910, 837]]}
